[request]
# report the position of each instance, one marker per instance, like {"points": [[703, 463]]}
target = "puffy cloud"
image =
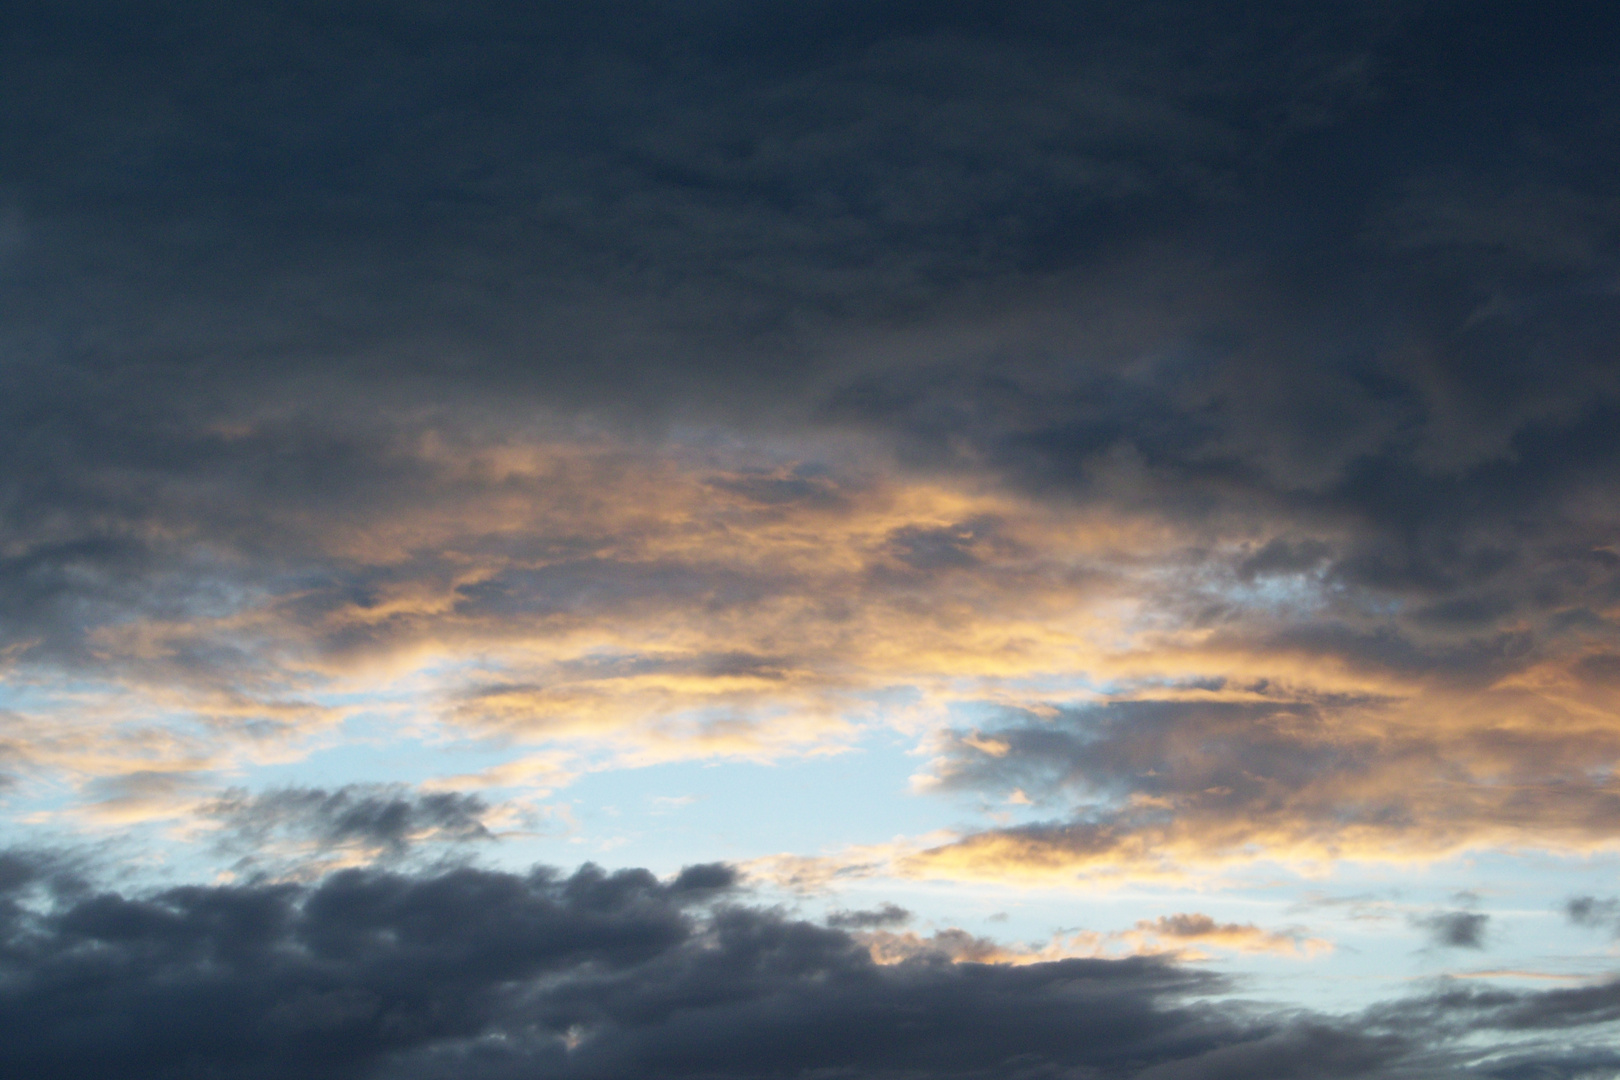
{"points": [[667, 380], [486, 974]]}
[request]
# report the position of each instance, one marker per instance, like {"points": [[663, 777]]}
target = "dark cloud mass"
{"points": [[479, 974], [1347, 273], [1337, 281], [1199, 423]]}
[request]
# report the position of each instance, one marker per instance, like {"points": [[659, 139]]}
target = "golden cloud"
{"points": [[591, 605]]}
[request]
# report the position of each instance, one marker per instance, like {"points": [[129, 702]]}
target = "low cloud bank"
{"points": [[481, 974]]}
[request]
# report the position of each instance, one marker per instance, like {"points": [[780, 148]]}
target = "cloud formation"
{"points": [[486, 974], [1156, 785], [1196, 426], [483, 974], [317, 829], [368, 358], [1180, 937]]}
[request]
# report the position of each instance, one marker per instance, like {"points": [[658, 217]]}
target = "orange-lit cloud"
{"points": [[649, 607], [591, 605], [1182, 936]]}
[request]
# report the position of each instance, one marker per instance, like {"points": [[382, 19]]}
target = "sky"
{"points": [[842, 540]]}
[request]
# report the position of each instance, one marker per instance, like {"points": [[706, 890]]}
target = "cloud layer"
{"points": [[1239, 348], [1193, 428], [482, 974]]}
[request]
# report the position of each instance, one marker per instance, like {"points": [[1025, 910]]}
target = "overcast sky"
{"points": [[846, 538]]}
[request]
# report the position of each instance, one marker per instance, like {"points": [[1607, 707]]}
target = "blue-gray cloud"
{"points": [[1455, 929], [373, 818], [489, 975], [1277, 269], [483, 974]]}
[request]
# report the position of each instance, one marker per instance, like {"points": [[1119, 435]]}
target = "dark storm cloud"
{"points": [[369, 178], [1329, 292], [1345, 277], [481, 974]]}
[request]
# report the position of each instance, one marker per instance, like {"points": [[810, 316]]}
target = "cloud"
{"points": [[1592, 912], [610, 606], [598, 607], [488, 974], [1196, 424], [667, 382], [1454, 929], [318, 829], [1177, 931], [887, 915], [1166, 786], [1562, 1029], [951, 945], [1180, 937]]}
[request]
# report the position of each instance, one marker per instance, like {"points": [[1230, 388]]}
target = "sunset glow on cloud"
{"points": [[871, 540]]}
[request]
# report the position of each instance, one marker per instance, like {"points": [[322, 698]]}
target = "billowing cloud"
{"points": [[668, 399], [1196, 427], [488, 974], [491, 974]]}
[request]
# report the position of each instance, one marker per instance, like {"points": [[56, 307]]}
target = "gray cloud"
{"points": [[386, 821], [1454, 929], [1327, 292], [887, 915], [1175, 781], [1276, 269], [1593, 912], [485, 974]]}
